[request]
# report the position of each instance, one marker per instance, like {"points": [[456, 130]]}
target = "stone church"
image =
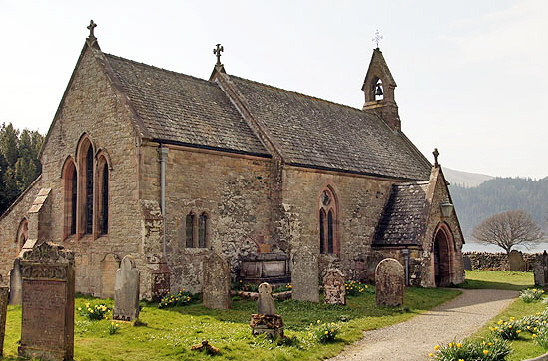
{"points": [[169, 168]]}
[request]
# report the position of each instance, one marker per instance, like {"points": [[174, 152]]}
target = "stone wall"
{"points": [[360, 201], [234, 191], [487, 261], [9, 224]]}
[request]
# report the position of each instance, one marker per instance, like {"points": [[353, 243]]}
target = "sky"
{"points": [[472, 75]]}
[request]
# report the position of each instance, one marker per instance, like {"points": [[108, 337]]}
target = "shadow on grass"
{"points": [[480, 284]]}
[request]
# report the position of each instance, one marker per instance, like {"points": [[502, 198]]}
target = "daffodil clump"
{"points": [[508, 330], [531, 294], [493, 349], [355, 288], [113, 328], [182, 298], [94, 312], [323, 332]]}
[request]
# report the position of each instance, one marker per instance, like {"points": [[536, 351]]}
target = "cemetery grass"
{"points": [[503, 280], [169, 333], [524, 347]]}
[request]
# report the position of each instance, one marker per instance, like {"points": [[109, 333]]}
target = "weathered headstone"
{"points": [[304, 276], [516, 262], [47, 328], [266, 320], [389, 283], [265, 304], [540, 269], [216, 290], [333, 287], [467, 264], [4, 294], [126, 291], [16, 283]]}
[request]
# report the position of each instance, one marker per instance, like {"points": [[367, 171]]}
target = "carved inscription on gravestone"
{"points": [[126, 291], [333, 287], [540, 269], [4, 292], [47, 329], [389, 283]]}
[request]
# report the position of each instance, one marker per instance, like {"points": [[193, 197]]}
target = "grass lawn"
{"points": [[525, 347], [503, 280], [170, 332]]}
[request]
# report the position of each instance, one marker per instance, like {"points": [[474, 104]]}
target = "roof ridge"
{"points": [[161, 69], [297, 93]]}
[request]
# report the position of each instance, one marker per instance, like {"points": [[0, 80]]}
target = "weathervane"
{"points": [[91, 28], [218, 52], [436, 154], [377, 38]]}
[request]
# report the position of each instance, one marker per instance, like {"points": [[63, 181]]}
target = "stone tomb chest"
{"points": [[265, 267]]}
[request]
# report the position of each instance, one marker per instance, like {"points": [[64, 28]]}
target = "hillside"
{"points": [[464, 178], [474, 204]]}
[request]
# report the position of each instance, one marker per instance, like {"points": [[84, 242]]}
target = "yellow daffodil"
{"points": [[485, 352], [437, 347], [431, 354], [459, 345]]}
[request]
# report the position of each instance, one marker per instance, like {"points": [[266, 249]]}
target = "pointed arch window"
{"points": [[103, 198], [70, 195], [22, 234], [89, 192], [328, 223], [202, 231], [189, 231]]}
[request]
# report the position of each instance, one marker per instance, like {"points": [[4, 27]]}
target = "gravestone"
{"points": [[266, 320], [467, 264], [540, 269], [16, 283], [4, 295], [304, 275], [265, 304], [216, 291], [126, 291], [333, 287], [389, 283], [516, 262], [47, 327]]}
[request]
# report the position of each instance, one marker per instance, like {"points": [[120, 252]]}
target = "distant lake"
{"points": [[478, 247]]}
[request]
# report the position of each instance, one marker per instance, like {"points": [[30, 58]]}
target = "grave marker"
{"points": [[216, 289], [47, 328], [4, 295], [516, 262], [126, 291], [304, 276], [389, 283], [333, 287]]}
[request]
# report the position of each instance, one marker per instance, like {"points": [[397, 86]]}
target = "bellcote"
{"points": [[378, 88]]}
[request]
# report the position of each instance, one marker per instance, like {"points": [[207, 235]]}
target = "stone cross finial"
{"points": [[91, 28], [218, 52], [377, 38], [436, 154]]}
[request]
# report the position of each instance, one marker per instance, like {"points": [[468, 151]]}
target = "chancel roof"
{"points": [[309, 132], [404, 215]]}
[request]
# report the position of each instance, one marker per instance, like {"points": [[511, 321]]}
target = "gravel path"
{"points": [[414, 339]]}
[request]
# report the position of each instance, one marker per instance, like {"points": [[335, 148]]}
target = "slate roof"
{"points": [[316, 133], [309, 132], [183, 109], [403, 217]]}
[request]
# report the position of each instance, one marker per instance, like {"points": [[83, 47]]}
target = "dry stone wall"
{"points": [[487, 261]]}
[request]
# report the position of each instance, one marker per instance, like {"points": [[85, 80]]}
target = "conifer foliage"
{"points": [[19, 163]]}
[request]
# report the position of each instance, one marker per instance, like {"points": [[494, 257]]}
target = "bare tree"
{"points": [[508, 229]]}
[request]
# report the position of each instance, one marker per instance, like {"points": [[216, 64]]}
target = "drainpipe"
{"points": [[163, 157], [405, 253]]}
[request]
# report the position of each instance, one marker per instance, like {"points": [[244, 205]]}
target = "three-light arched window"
{"points": [[86, 191], [328, 222]]}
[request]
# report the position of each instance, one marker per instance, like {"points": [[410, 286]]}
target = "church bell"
{"points": [[378, 90]]}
